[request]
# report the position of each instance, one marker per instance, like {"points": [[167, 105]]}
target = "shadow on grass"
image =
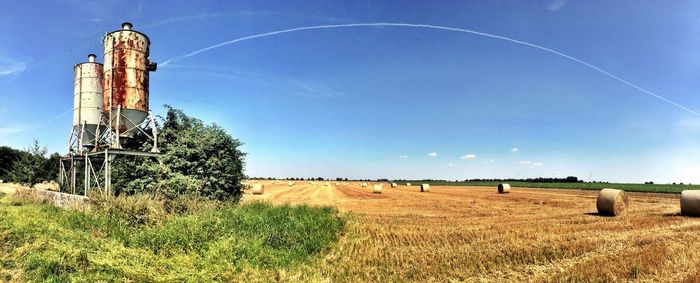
{"points": [[598, 214]]}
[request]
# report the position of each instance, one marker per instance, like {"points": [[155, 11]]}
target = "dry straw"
{"points": [[425, 187], [258, 189], [377, 189], [503, 188], [690, 202], [612, 202]]}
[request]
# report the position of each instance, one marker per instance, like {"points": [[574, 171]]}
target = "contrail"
{"points": [[489, 35]]}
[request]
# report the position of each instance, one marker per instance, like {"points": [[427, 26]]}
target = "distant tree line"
{"points": [[29, 166], [570, 179]]}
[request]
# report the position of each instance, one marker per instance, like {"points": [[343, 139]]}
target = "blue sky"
{"points": [[377, 101]]}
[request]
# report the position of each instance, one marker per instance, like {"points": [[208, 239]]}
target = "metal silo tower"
{"points": [[87, 105], [111, 103], [126, 93]]}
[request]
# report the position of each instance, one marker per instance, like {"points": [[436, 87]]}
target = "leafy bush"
{"points": [[195, 159]]}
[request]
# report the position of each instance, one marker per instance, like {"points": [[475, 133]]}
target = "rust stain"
{"points": [[126, 71]]}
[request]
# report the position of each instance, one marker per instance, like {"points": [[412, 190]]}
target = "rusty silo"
{"points": [[126, 68], [87, 101]]}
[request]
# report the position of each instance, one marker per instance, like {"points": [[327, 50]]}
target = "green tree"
{"points": [[204, 157], [29, 168], [51, 167], [8, 157]]}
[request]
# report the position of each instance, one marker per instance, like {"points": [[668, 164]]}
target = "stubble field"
{"points": [[475, 234]]}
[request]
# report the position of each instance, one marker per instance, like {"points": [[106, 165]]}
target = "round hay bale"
{"points": [[258, 189], [612, 202], [393, 185], [290, 184], [377, 189], [690, 202], [364, 185], [425, 187], [408, 184], [503, 188]]}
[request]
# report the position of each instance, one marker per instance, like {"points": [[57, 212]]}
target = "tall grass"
{"points": [[144, 239]]}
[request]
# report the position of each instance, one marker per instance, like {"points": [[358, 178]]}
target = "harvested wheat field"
{"points": [[475, 234]]}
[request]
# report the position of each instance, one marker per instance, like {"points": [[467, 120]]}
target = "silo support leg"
{"points": [[117, 144], [154, 131]]}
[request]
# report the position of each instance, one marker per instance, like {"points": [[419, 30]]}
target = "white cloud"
{"points": [[452, 164], [531, 164], [469, 156], [403, 156], [9, 70], [515, 149], [489, 161], [556, 5], [433, 154]]}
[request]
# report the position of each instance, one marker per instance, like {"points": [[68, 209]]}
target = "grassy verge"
{"points": [[660, 188], [145, 240]]}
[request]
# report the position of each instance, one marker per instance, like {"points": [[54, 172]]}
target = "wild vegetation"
{"points": [[144, 239]]}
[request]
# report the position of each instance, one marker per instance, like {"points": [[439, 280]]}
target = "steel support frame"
{"points": [[67, 172], [105, 158], [111, 138]]}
